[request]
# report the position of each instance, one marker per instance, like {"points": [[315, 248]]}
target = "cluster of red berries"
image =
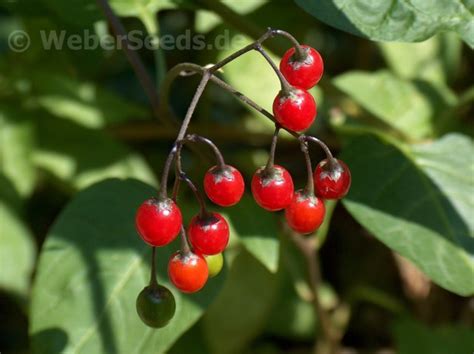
{"points": [[159, 220]]}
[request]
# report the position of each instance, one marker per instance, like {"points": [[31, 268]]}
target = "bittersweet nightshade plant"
{"points": [[159, 219]]}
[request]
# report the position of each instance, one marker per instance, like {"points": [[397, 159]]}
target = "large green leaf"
{"points": [[16, 148], [241, 309], [80, 156], [90, 271], [396, 20], [414, 108], [419, 203], [414, 338], [16, 252]]}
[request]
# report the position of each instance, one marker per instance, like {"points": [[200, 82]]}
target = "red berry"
{"points": [[158, 221], [305, 72], [332, 179], [272, 190], [187, 271], [225, 186], [295, 111], [306, 212], [208, 234]]}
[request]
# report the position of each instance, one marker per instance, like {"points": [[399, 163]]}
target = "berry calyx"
{"points": [[304, 72], [155, 306], [332, 179], [158, 221], [208, 233], [224, 185], [295, 110], [214, 264], [187, 271], [306, 212], [272, 188]]}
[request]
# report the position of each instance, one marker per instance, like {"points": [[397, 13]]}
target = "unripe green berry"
{"points": [[214, 264], [156, 306]]}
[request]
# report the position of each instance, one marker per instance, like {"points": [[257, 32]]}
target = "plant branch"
{"points": [[185, 69], [308, 248], [143, 76], [182, 132]]}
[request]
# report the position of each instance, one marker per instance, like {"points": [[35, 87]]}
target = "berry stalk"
{"points": [[309, 169], [271, 158], [215, 149], [285, 86], [153, 281]]}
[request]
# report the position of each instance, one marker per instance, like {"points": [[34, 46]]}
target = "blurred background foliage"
{"points": [[397, 255]]}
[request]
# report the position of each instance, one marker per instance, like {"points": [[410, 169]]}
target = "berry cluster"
{"points": [[159, 219]]}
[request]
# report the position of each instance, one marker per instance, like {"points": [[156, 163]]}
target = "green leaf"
{"points": [[419, 203], [16, 148], [413, 338], [82, 102], [437, 59], [414, 108], [397, 20], [16, 253], [80, 156], [257, 230], [91, 269], [241, 309]]}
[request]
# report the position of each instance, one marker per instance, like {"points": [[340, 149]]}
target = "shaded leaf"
{"points": [[92, 267], [241, 308], [413, 338], [398, 20], [418, 203]]}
